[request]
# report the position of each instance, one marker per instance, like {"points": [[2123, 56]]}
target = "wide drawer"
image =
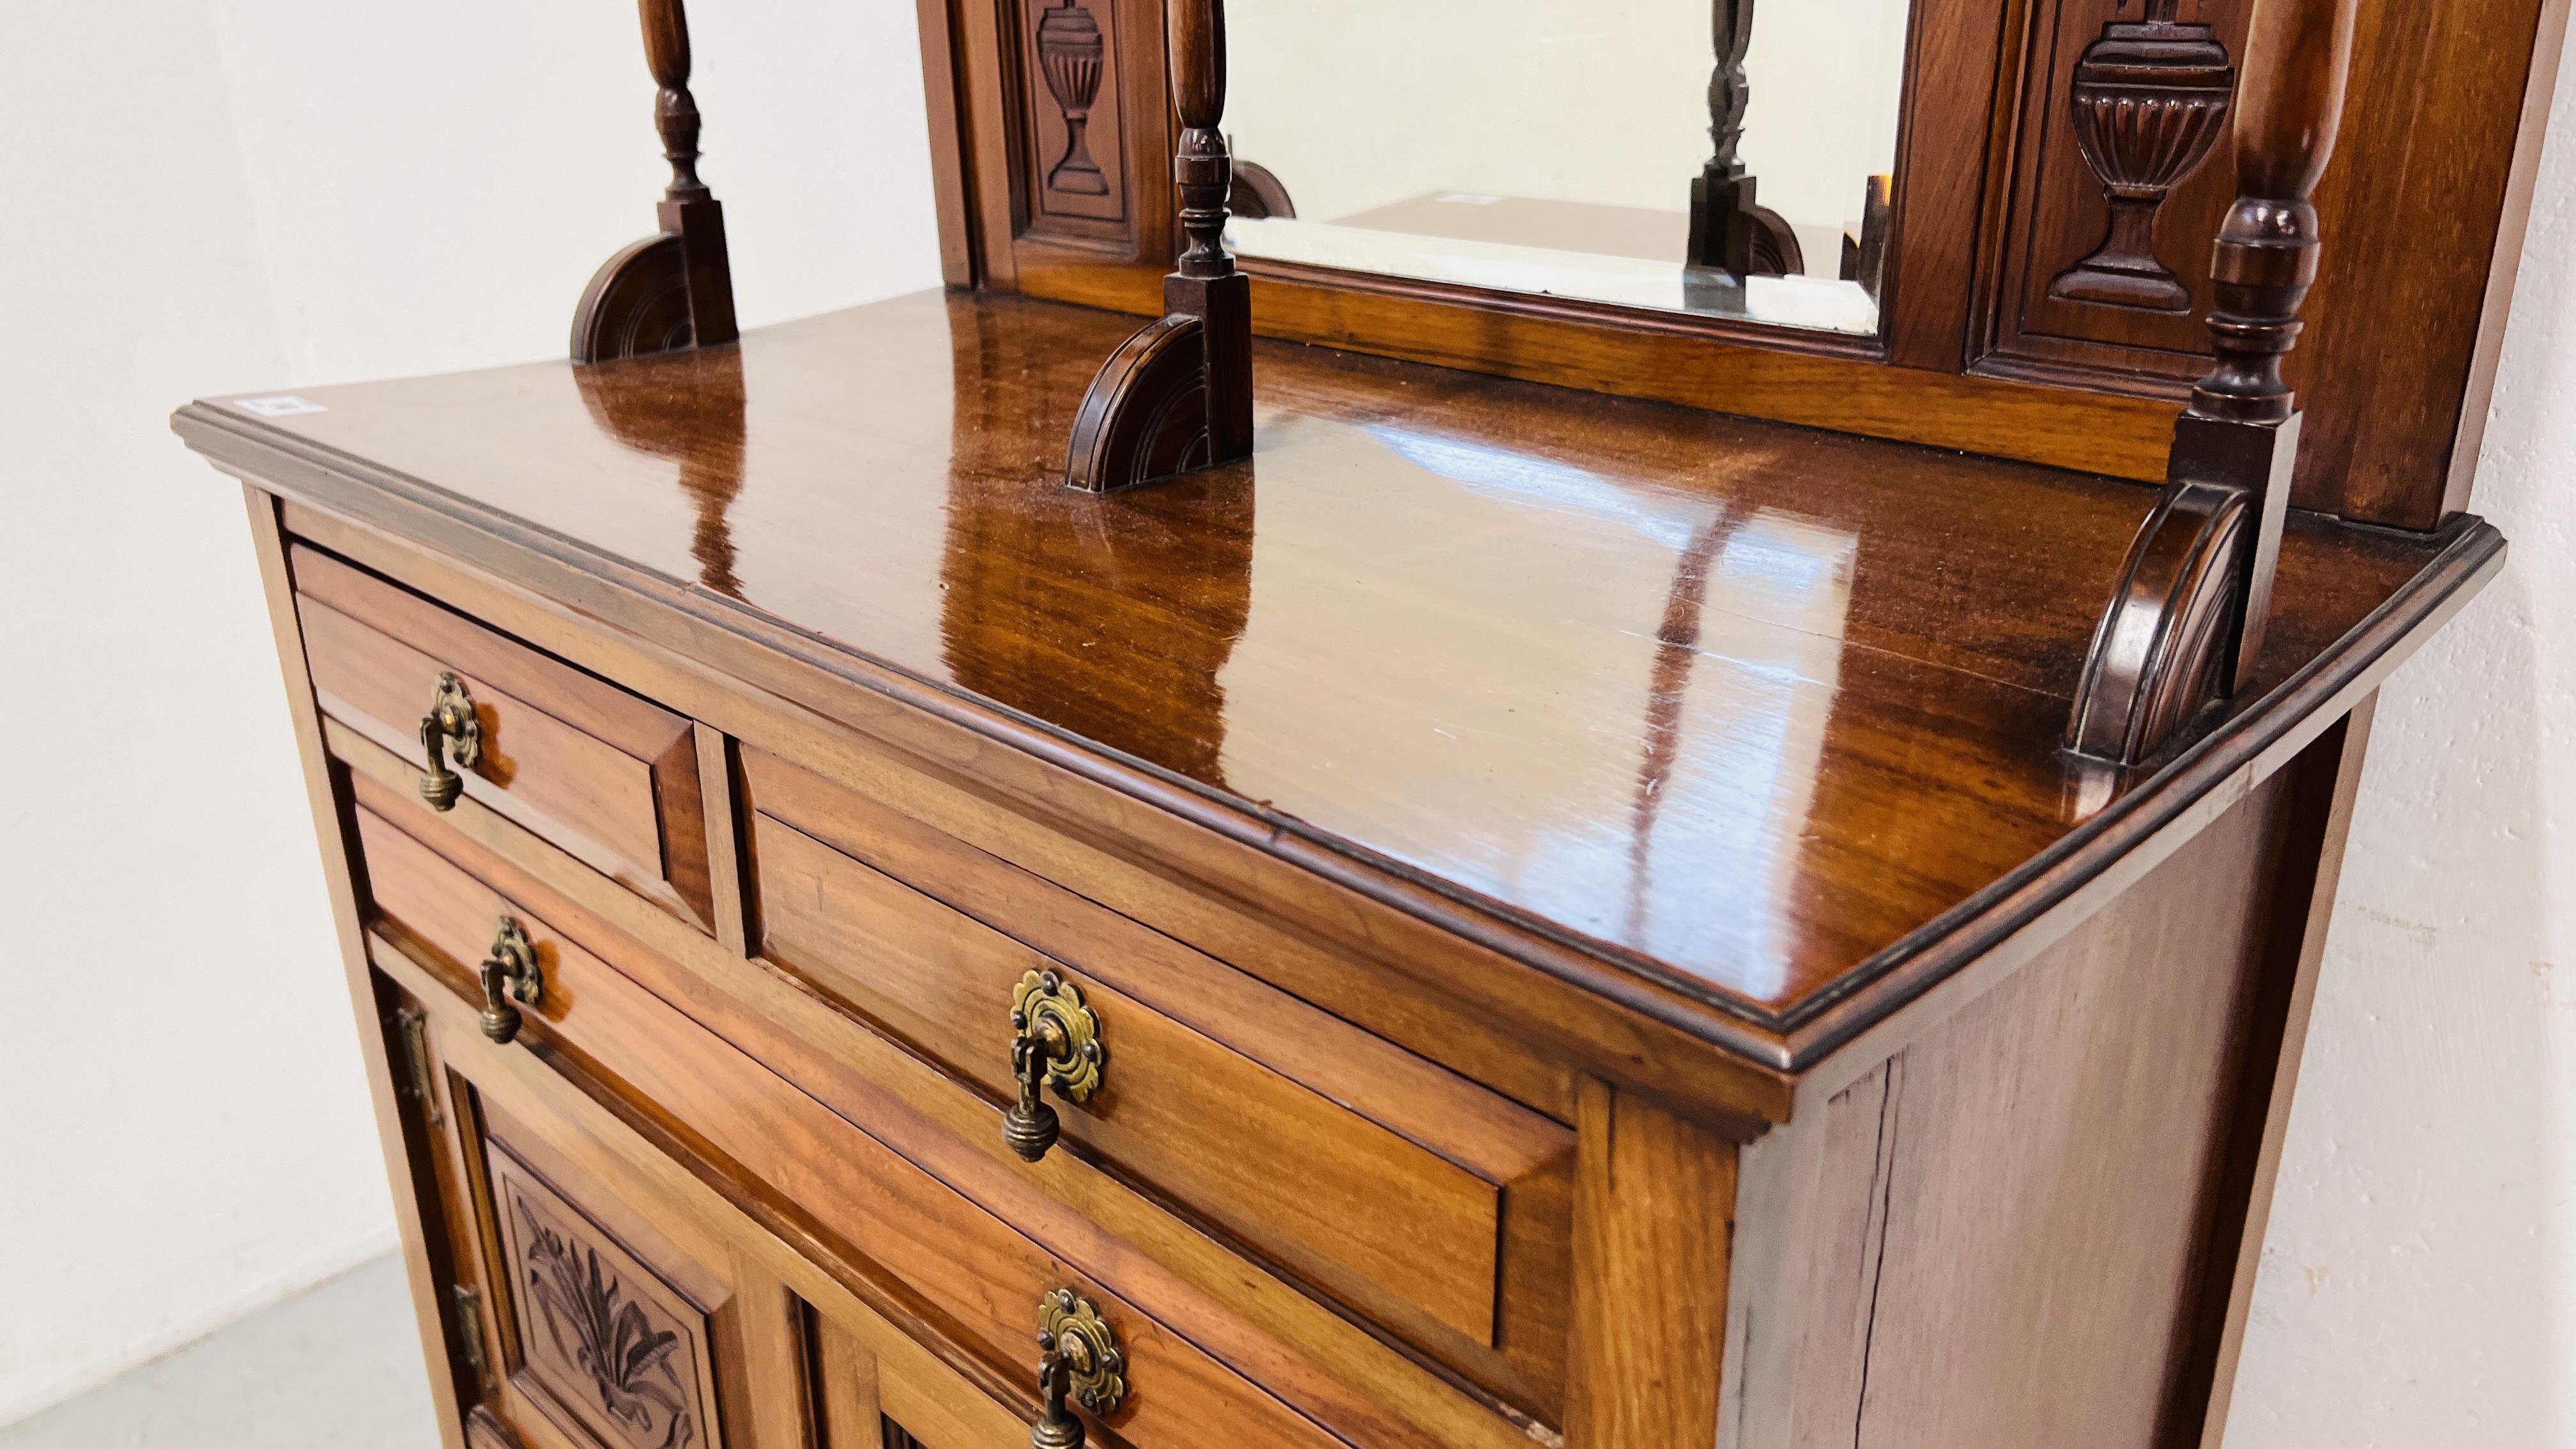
{"points": [[1435, 1207], [609, 777], [966, 1274]]}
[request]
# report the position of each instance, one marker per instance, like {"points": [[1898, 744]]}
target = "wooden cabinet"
{"points": [[1515, 916], [1367, 1162]]}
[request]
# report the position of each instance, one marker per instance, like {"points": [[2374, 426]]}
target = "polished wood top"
{"points": [[1734, 705]]}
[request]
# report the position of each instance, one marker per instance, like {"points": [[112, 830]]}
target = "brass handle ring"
{"points": [[1055, 1042], [1082, 1361], [451, 730], [511, 970]]}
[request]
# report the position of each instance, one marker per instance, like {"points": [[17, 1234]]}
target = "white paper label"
{"points": [[284, 406]]}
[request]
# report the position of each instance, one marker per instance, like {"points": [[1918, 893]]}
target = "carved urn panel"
{"points": [[1070, 53], [1075, 139], [616, 1355], [2119, 179], [2149, 101]]}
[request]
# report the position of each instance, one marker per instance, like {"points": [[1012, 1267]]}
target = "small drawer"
{"points": [[1431, 1205], [607, 776], [961, 1270]]}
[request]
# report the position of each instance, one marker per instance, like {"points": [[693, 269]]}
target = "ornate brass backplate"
{"points": [[1071, 1329], [510, 970], [1048, 1009], [450, 731], [1055, 1042]]}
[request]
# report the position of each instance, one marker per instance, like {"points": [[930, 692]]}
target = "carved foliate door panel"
{"points": [[602, 1339], [582, 1310]]}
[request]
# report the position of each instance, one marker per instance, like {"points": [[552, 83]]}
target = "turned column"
{"points": [[689, 210], [2242, 428], [2186, 622], [1177, 397], [1721, 231], [673, 289]]}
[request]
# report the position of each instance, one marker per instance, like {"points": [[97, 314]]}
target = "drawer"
{"points": [[958, 1270], [609, 777], [1432, 1206]]}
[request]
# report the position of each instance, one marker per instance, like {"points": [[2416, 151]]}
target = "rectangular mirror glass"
{"points": [[1666, 154]]}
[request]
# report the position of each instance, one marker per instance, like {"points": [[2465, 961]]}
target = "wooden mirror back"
{"points": [[2020, 314]]}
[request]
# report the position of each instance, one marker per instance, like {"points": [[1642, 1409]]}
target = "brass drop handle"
{"points": [[1082, 1361], [451, 729], [1055, 1042], [511, 970]]}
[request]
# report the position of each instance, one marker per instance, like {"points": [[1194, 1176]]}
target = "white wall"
{"points": [[217, 195], [2419, 1278], [221, 195]]}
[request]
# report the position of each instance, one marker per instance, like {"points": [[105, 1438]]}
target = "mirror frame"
{"points": [[1987, 201]]}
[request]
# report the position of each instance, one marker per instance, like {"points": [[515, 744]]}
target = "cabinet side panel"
{"points": [[331, 824], [2044, 1166]]}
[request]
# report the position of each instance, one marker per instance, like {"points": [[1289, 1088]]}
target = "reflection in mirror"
{"points": [[1608, 150]]}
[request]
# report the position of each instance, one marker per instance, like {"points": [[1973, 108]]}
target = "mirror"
{"points": [[1662, 154]]}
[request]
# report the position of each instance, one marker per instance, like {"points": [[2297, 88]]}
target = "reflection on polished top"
{"points": [[1750, 700]]}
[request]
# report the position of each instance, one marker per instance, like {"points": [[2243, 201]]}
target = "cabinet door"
{"points": [[595, 1306]]}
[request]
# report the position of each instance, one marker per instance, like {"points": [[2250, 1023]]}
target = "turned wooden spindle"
{"points": [[1178, 396], [1732, 236], [2266, 256], [673, 289], [2186, 624], [675, 111], [1201, 167]]}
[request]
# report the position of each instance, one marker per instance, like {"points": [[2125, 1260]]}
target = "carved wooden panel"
{"points": [[1071, 116], [2119, 175], [614, 1351]]}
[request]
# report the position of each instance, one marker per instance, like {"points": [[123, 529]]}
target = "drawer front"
{"points": [[974, 1277], [607, 776], [1431, 1205]]}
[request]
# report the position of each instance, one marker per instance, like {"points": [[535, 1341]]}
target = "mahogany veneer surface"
{"points": [[1749, 700]]}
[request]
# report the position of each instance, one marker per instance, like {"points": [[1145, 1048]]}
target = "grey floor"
{"points": [[335, 1367]]}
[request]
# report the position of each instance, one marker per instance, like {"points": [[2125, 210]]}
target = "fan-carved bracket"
{"points": [[2186, 621], [2160, 651], [674, 289]]}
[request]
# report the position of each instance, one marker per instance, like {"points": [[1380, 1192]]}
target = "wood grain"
{"points": [[610, 777], [1118, 1236], [1931, 693], [417, 1222], [2042, 1165], [553, 1118], [1991, 202], [2320, 791], [1654, 1217], [951, 182], [1181, 1111], [981, 1276], [845, 1380], [1173, 843], [728, 903]]}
